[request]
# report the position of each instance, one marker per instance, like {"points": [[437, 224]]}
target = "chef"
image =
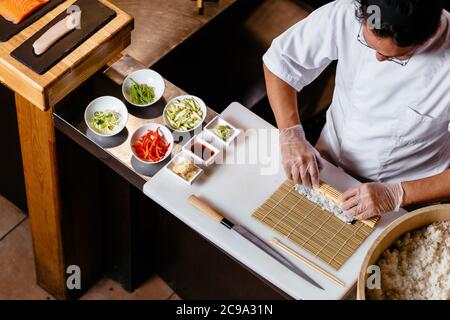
{"points": [[388, 123]]}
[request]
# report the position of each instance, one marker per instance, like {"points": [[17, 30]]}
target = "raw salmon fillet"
{"points": [[17, 10]]}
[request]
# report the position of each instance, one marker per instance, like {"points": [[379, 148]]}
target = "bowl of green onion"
{"points": [[143, 88], [185, 113], [106, 116]]}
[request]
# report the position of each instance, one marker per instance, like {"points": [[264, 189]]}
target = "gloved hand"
{"points": [[302, 162], [372, 199]]}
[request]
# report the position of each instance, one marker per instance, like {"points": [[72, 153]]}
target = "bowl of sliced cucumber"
{"points": [[185, 113]]}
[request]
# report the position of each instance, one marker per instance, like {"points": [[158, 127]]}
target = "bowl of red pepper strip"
{"points": [[152, 143]]}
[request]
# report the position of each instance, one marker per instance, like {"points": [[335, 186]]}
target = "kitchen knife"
{"points": [[207, 209], [56, 32]]}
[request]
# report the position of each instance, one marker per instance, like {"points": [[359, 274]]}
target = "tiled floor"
{"points": [[17, 277], [10, 219]]}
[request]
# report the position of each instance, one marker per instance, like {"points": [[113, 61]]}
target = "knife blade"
{"points": [[274, 254], [248, 235]]}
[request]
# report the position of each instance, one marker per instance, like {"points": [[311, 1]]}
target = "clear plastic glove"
{"points": [[372, 199], [302, 162]]}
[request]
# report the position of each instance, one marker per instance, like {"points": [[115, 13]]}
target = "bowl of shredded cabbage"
{"points": [[106, 116]]}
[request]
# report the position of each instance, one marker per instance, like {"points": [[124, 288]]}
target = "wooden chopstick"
{"points": [[306, 261]]}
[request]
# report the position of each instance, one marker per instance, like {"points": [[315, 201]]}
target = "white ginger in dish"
{"points": [[185, 169]]}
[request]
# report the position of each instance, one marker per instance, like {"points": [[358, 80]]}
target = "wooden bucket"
{"points": [[409, 222]]}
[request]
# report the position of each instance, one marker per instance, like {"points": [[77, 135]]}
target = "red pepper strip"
{"points": [[151, 151], [152, 146]]}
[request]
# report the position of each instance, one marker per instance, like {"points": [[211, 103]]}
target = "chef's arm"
{"points": [[432, 189], [300, 159], [283, 100]]}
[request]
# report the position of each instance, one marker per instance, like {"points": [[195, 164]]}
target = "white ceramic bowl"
{"points": [[104, 104], [200, 103], [140, 132], [148, 77]]}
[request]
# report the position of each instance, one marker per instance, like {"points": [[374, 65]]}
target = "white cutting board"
{"points": [[237, 190]]}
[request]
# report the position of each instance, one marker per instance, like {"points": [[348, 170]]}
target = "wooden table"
{"points": [[165, 24], [36, 96]]}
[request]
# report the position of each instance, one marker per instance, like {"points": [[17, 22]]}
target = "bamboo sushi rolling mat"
{"points": [[306, 224]]}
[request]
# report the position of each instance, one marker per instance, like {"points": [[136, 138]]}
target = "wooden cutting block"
{"points": [[46, 90]]}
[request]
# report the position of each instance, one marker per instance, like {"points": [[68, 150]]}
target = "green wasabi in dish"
{"points": [[223, 131]]}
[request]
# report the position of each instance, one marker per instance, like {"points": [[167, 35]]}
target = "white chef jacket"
{"points": [[387, 122]]}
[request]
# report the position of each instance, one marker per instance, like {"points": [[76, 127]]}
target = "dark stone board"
{"points": [[93, 17]]}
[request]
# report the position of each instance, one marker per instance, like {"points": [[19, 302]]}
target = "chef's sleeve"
{"points": [[301, 53]]}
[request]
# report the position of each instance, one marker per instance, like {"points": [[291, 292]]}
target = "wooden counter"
{"points": [[165, 24], [36, 95]]}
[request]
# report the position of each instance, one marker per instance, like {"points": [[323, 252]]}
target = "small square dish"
{"points": [[222, 130], [202, 152], [184, 168]]}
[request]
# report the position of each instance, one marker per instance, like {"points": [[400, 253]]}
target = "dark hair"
{"points": [[408, 22]]}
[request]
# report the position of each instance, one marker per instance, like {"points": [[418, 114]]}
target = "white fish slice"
{"points": [[56, 32]]}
